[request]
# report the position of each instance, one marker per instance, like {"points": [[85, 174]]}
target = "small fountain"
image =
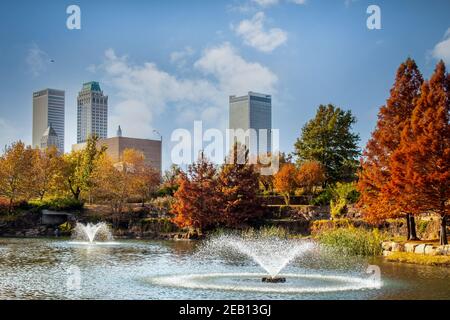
{"points": [[91, 233], [271, 253]]}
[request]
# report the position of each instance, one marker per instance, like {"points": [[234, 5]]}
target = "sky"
{"points": [[165, 64]]}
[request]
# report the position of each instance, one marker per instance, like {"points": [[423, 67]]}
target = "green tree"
{"points": [[329, 140]]}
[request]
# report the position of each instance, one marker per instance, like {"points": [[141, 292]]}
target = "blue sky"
{"points": [[167, 63]]}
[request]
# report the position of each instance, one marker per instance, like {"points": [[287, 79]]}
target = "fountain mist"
{"points": [[90, 232], [272, 254]]}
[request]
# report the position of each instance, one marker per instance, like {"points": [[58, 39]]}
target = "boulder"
{"points": [[397, 247], [430, 250], [420, 249], [443, 250], [409, 247], [387, 245]]}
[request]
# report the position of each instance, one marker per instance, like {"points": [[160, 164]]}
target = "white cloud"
{"points": [[265, 3], [144, 91], [234, 74], [180, 58], [254, 34], [37, 60], [298, 1], [442, 49]]}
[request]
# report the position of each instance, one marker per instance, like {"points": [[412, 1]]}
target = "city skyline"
{"points": [[303, 55]]}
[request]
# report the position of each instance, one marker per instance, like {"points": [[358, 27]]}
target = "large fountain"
{"points": [[92, 233], [273, 255]]}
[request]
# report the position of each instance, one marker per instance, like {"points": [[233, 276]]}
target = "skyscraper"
{"points": [[253, 111], [49, 138], [48, 110], [92, 112]]}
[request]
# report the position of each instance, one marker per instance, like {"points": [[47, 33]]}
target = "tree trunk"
{"points": [[412, 228], [10, 205], [408, 227], [443, 232]]}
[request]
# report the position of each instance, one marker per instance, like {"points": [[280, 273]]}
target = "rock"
{"points": [[397, 247], [420, 249], [387, 245], [430, 250], [443, 250], [409, 247]]}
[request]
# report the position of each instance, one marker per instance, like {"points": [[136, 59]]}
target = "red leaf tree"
{"points": [[196, 202], [375, 174], [420, 167], [238, 187]]}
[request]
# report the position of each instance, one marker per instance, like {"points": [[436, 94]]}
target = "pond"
{"points": [[125, 269]]}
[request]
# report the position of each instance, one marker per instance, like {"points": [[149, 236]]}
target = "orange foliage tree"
{"points": [[196, 202], [310, 175], [420, 167], [285, 181], [375, 174], [16, 166]]}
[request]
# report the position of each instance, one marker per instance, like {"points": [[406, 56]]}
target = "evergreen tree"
{"points": [[329, 140]]}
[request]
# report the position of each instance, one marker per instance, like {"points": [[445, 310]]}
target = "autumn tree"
{"points": [[268, 161], [238, 189], [170, 180], [285, 181], [47, 172], [310, 175], [79, 166], [420, 167], [16, 173], [110, 184], [144, 179], [329, 140], [375, 175], [196, 202]]}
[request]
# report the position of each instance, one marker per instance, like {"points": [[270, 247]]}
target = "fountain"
{"points": [[270, 253], [91, 233], [273, 255]]}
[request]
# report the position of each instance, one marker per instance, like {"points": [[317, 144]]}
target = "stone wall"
{"points": [[413, 247]]}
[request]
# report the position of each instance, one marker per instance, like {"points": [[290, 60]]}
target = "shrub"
{"points": [[342, 195], [266, 232], [57, 204], [353, 241], [323, 199], [163, 204]]}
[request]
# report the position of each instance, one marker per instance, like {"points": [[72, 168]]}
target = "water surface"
{"points": [[45, 269]]}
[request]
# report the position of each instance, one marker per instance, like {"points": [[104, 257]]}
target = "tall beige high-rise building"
{"points": [[48, 111]]}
